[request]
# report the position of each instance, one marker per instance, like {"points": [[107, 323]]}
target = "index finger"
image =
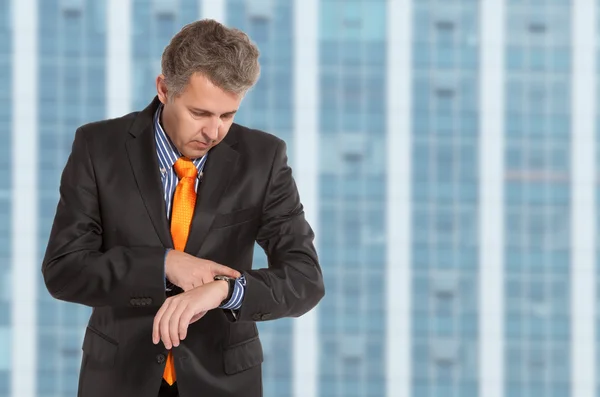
{"points": [[226, 271]]}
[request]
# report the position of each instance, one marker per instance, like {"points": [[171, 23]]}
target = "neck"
{"points": [[165, 122]]}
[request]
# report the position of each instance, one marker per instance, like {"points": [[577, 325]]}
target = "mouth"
{"points": [[199, 145]]}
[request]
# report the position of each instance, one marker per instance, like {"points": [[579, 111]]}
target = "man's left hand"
{"points": [[178, 312]]}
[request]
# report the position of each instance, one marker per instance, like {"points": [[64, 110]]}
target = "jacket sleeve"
{"points": [[75, 266], [293, 283]]}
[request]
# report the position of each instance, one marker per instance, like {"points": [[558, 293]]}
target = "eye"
{"points": [[196, 114], [226, 116]]}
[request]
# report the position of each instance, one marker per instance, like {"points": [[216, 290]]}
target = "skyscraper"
{"points": [[352, 193], [538, 199], [445, 200], [445, 152]]}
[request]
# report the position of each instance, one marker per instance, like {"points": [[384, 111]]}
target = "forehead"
{"points": [[201, 93]]}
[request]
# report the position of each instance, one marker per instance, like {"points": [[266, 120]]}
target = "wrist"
{"points": [[223, 289], [226, 285]]}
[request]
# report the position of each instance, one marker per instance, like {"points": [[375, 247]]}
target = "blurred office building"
{"points": [[445, 152]]}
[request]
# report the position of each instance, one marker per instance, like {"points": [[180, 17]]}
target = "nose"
{"points": [[211, 129]]}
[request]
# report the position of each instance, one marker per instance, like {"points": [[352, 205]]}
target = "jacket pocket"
{"points": [[235, 218], [242, 356], [100, 348]]}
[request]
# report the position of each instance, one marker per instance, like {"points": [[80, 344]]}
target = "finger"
{"points": [[164, 325], [225, 271], [157, 318], [174, 323]]}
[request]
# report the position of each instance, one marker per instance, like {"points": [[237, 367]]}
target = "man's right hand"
{"points": [[188, 272]]}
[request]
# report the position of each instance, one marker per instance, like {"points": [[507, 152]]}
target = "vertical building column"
{"points": [[306, 123], [491, 196], [399, 193], [25, 261], [213, 9], [583, 209], [118, 60]]}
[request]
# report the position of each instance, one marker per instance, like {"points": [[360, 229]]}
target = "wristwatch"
{"points": [[231, 283]]}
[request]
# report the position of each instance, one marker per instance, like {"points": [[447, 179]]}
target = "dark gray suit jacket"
{"points": [[107, 248]]}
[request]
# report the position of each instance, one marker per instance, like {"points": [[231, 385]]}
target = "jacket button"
{"points": [[160, 358]]}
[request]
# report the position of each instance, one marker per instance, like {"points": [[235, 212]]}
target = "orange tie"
{"points": [[181, 218]]}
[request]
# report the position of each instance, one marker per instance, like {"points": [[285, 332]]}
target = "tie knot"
{"points": [[185, 168]]}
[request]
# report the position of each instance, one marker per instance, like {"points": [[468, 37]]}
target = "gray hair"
{"points": [[226, 56]]}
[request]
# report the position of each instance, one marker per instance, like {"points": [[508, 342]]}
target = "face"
{"points": [[199, 117]]}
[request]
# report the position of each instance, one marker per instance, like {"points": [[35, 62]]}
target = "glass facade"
{"points": [[537, 199], [445, 201], [445, 135], [5, 193], [352, 194], [71, 92]]}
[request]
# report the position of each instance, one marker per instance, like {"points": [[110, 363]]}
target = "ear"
{"points": [[161, 88]]}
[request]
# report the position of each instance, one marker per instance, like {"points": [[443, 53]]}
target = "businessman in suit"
{"points": [[155, 228]]}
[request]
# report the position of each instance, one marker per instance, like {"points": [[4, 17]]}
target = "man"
{"points": [[155, 228]]}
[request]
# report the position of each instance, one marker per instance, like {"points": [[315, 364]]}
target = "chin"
{"points": [[194, 154]]}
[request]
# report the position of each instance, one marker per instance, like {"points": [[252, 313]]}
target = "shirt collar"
{"points": [[166, 150]]}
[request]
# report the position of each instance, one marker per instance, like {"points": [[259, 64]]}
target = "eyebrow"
{"points": [[198, 110]]}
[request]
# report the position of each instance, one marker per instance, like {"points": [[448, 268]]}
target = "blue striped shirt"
{"points": [[167, 156]]}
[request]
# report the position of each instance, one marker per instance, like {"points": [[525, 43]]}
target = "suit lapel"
{"points": [[141, 148], [219, 169]]}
